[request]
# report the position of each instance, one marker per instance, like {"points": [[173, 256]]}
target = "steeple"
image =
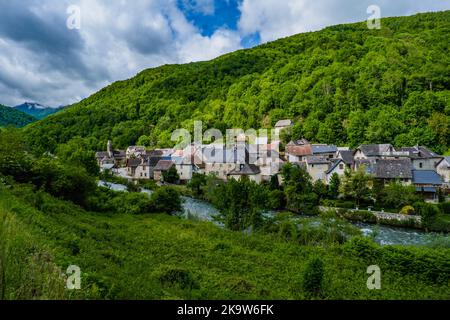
{"points": [[110, 149]]}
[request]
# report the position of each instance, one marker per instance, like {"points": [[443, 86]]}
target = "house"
{"points": [[324, 150], [372, 151], [246, 170], [136, 152], [220, 160], [427, 183], [186, 167], [132, 166], [443, 169], [338, 166], [297, 151], [422, 158], [269, 164], [283, 124], [106, 158], [347, 158], [389, 170], [161, 167], [317, 167]]}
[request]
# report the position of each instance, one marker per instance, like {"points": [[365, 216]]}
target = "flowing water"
{"points": [[384, 235]]}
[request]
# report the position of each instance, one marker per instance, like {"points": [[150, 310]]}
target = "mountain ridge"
{"points": [[37, 110], [345, 84], [12, 117]]}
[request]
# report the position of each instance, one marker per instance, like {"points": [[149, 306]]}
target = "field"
{"points": [[164, 257]]}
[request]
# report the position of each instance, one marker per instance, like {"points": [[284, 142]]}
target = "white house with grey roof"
{"points": [[443, 169]]}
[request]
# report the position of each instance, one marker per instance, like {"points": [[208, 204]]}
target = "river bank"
{"points": [[384, 235]]}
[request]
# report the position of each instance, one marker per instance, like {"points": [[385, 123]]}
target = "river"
{"points": [[383, 235]]}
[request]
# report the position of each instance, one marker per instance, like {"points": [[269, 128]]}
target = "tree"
{"points": [[15, 160], [320, 189], [298, 188], [396, 195], [240, 203], [166, 199], [77, 152], [357, 185], [171, 175], [428, 213], [196, 184], [334, 186]]}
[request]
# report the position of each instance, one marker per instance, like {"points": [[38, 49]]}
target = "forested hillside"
{"points": [[15, 118], [345, 84]]}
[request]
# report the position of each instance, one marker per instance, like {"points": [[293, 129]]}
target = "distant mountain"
{"points": [[37, 110], [12, 117]]}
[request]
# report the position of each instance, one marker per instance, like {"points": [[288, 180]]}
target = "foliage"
{"points": [[408, 210], [356, 185], [313, 278], [334, 186], [162, 257], [166, 199], [13, 117], [240, 203], [196, 183], [396, 195], [428, 212], [298, 188], [345, 84], [171, 175], [77, 152]]}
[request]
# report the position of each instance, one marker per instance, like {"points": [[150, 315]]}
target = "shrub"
{"points": [[408, 210], [132, 203], [428, 212], [313, 278], [178, 277], [445, 207], [166, 199]]}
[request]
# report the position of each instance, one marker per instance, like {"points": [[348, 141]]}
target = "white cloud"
{"points": [[274, 19]]}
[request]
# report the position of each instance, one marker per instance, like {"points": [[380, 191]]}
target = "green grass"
{"points": [[163, 257]]}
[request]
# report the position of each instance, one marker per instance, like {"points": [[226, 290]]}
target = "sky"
{"points": [[58, 52]]}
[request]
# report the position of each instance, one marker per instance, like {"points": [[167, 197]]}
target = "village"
{"points": [[260, 160]]}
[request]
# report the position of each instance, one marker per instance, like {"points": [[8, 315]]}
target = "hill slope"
{"points": [[345, 84], [12, 117]]}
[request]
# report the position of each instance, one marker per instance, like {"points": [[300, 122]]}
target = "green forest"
{"points": [[15, 118], [345, 85]]}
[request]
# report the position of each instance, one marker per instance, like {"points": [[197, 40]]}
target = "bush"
{"points": [[445, 207], [178, 277], [166, 199], [132, 203], [313, 278], [408, 210], [363, 216], [428, 212]]}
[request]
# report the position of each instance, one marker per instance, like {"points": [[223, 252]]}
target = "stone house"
{"points": [[161, 167], [317, 168], [427, 183], [338, 166], [422, 158], [443, 169]]}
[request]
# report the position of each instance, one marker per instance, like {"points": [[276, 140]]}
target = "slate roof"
{"points": [[429, 177], [300, 142], [323, 148], [133, 163], [164, 165], [447, 159], [334, 164], [347, 156], [245, 170], [283, 123], [317, 160], [391, 169], [102, 154], [375, 149], [419, 152]]}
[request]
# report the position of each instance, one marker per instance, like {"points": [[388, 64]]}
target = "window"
{"points": [[421, 165], [341, 166]]}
